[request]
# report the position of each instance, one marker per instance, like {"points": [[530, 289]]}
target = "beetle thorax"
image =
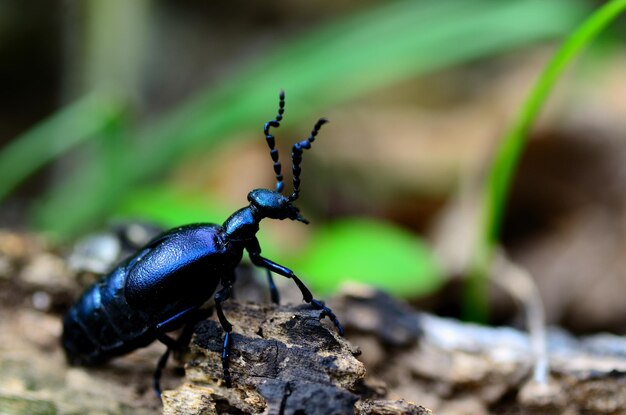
{"points": [[242, 225], [264, 203]]}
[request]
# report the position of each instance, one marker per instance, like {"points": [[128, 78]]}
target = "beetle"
{"points": [[165, 284]]}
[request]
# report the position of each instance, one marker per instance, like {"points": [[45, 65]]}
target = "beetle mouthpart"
{"points": [[299, 218]]}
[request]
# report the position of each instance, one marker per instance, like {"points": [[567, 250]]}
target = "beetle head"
{"points": [[271, 204]]}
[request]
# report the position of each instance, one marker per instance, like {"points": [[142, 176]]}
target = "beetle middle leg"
{"points": [[194, 315], [219, 298], [156, 376]]}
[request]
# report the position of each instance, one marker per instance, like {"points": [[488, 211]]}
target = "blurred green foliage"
{"points": [[347, 58], [69, 127], [371, 252], [172, 207], [507, 155]]}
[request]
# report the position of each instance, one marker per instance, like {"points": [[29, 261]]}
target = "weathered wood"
{"points": [[446, 365], [454, 367], [283, 361]]}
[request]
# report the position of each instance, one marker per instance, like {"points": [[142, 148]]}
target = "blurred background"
{"points": [[153, 111]]}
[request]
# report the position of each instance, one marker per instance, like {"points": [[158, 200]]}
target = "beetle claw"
{"points": [[327, 312]]}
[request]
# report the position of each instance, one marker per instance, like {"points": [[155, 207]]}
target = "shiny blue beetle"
{"points": [[164, 285]]}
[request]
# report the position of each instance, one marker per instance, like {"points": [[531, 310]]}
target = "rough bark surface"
{"points": [[285, 360], [459, 368]]}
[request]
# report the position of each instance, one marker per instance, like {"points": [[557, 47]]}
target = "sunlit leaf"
{"points": [[370, 252]]}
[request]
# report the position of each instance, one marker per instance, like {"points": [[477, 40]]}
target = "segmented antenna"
{"points": [[296, 156], [271, 142]]}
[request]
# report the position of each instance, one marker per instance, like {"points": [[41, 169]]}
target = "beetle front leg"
{"points": [[255, 256], [220, 297]]}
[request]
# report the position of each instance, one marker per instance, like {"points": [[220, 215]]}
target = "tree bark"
{"points": [[283, 361]]}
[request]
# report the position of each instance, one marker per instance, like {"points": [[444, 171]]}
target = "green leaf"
{"points": [[369, 252]]}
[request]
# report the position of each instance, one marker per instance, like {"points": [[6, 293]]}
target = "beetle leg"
{"points": [[171, 344], [270, 265], [175, 345], [327, 312], [274, 295], [254, 249], [174, 322], [220, 297], [156, 377]]}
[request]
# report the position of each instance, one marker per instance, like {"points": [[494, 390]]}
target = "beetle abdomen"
{"points": [[102, 325], [177, 271]]}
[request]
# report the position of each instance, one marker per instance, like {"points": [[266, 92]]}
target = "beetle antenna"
{"points": [[296, 156], [271, 142]]}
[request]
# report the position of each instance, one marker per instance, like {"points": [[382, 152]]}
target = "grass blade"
{"points": [[66, 129], [508, 153]]}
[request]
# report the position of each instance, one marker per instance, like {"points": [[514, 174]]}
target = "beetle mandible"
{"points": [[163, 286]]}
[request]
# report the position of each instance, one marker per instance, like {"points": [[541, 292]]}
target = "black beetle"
{"points": [[163, 286]]}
